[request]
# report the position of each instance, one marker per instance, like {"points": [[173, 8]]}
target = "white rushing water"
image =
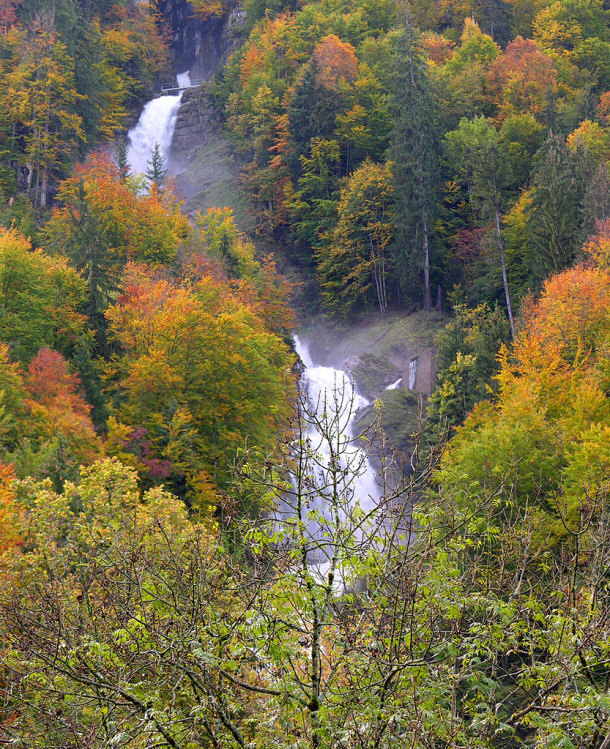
{"points": [[156, 125], [332, 403]]}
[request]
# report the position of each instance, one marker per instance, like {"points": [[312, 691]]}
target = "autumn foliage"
{"points": [[136, 226], [336, 61], [552, 417], [57, 398], [522, 78], [199, 374]]}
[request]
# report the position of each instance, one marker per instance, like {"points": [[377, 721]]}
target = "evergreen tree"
{"points": [[557, 210], [121, 159], [493, 16], [156, 172], [597, 200], [311, 114], [88, 252], [415, 151]]}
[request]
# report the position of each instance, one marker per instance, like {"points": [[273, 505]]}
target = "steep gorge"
{"points": [[376, 351], [197, 44], [200, 158]]}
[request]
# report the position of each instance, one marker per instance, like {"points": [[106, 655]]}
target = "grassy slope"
{"points": [[210, 180]]}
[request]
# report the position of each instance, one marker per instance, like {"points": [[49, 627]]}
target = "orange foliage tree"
{"points": [[336, 60], [103, 222], [546, 440], [522, 78], [219, 250], [142, 227], [10, 511], [198, 376], [56, 396], [45, 429]]}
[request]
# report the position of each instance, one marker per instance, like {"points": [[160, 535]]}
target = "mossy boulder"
{"points": [[372, 374], [400, 413]]}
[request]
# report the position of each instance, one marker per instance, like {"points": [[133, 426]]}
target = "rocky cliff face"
{"points": [[198, 45], [196, 123], [201, 158]]}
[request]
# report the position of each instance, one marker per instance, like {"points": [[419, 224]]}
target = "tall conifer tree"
{"points": [[475, 153], [122, 160], [156, 172], [562, 206], [414, 151]]}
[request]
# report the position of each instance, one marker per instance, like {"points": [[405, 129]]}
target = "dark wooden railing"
{"points": [[172, 87]]}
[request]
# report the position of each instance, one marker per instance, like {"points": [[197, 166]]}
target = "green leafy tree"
{"points": [[358, 263], [556, 212], [341, 627], [43, 300], [199, 373], [466, 362], [549, 398], [460, 82], [476, 158], [313, 207]]}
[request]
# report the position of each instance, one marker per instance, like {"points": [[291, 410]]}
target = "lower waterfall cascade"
{"points": [[332, 397]]}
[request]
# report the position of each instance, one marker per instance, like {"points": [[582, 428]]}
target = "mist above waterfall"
{"points": [[156, 125]]}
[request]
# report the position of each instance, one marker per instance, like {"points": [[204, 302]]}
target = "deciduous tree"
{"points": [[199, 372], [477, 160], [358, 262], [43, 299]]}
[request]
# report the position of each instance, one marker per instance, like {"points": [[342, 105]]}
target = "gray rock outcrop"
{"points": [[196, 123], [197, 44]]}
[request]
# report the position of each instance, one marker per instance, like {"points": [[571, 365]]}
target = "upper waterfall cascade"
{"points": [[156, 125]]}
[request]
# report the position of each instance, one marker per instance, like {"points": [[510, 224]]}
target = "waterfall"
{"points": [[332, 390], [331, 398], [156, 125]]}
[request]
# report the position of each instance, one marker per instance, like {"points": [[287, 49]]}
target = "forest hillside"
{"points": [[304, 374]]}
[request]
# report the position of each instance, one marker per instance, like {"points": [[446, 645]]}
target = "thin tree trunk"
{"points": [[383, 289], [504, 275], [424, 221], [427, 294], [44, 188], [379, 274], [377, 289]]}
